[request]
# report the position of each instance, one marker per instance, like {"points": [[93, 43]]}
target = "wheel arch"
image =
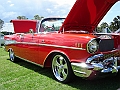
{"points": [[48, 60]]}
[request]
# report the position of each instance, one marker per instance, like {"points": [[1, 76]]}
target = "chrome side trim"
{"points": [[30, 61], [8, 42], [49, 45], [62, 46]]}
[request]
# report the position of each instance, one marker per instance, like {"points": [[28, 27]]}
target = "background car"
{"points": [[2, 41]]}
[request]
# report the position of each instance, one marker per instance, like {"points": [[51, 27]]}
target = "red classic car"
{"points": [[67, 45]]}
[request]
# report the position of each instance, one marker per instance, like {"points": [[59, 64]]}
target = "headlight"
{"points": [[92, 46]]}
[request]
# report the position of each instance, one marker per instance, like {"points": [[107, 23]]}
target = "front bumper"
{"points": [[96, 66]]}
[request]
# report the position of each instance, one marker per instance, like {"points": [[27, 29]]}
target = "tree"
{"points": [[22, 17], [98, 29], [1, 23], [115, 24], [112, 26], [116, 21], [104, 25], [37, 17]]}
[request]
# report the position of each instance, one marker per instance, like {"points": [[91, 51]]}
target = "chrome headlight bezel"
{"points": [[92, 46]]}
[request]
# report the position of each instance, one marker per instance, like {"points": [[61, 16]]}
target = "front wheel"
{"points": [[61, 68]]}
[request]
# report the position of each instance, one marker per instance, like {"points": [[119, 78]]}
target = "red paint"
{"points": [[23, 26], [39, 48], [86, 14]]}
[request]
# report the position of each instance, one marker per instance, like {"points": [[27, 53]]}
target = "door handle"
{"points": [[43, 41]]}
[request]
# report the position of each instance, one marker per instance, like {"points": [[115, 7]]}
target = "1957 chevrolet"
{"points": [[68, 45]]}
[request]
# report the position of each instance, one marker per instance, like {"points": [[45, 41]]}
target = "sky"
{"points": [[10, 9], [112, 13]]}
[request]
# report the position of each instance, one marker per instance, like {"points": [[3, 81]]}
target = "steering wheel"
{"points": [[48, 28]]}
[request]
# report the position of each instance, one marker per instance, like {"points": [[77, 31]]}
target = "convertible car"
{"points": [[67, 45]]}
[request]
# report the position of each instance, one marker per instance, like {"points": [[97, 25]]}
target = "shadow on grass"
{"points": [[109, 83]]}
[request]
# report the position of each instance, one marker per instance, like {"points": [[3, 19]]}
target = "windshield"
{"points": [[51, 24]]}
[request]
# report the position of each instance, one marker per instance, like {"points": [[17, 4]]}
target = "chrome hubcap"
{"points": [[60, 67]]}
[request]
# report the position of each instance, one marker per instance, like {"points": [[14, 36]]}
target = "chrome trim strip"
{"points": [[49, 45], [30, 61], [8, 42], [62, 46]]}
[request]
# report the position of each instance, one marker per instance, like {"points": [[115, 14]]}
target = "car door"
{"points": [[30, 47]]}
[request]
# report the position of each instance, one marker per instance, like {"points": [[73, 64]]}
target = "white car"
{"points": [[2, 41]]}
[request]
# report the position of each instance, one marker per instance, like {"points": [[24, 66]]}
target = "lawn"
{"points": [[26, 76]]}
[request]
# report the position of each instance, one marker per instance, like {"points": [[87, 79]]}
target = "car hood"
{"points": [[86, 14]]}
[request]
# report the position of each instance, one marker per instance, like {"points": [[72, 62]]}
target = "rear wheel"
{"points": [[12, 56], [61, 68]]}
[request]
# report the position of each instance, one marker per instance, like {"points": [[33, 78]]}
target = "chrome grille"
{"points": [[106, 45]]}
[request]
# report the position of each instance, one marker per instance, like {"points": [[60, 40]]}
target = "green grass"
{"points": [[26, 76]]}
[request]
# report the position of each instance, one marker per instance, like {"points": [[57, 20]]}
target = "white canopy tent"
{"points": [[7, 27]]}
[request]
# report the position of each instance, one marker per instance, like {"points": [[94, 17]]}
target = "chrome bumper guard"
{"points": [[95, 64]]}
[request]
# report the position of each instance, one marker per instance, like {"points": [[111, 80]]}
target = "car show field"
{"points": [[26, 76], [62, 53]]}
